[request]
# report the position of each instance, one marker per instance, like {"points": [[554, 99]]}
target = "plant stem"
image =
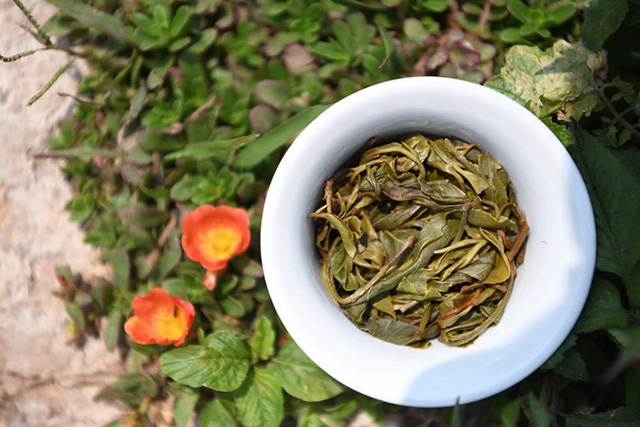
{"points": [[617, 117]]}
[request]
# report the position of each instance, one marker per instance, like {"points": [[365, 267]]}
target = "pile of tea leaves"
{"points": [[421, 240]]}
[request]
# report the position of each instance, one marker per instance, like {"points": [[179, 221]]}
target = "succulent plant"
{"points": [[456, 54]]}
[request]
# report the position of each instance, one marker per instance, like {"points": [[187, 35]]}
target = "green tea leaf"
{"points": [[603, 309], [260, 401], [393, 331], [266, 144], [601, 19], [221, 363], [301, 378], [614, 192], [263, 340], [544, 81], [215, 414]]}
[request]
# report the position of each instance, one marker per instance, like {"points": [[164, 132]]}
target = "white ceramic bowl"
{"points": [[549, 291]]}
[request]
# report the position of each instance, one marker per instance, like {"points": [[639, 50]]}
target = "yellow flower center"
{"points": [[170, 324], [220, 243]]}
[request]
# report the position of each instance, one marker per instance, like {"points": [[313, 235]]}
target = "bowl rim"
{"points": [[270, 239]]}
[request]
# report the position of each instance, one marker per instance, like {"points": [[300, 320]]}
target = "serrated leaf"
{"points": [[260, 401], [573, 366], [560, 131], [614, 193], [263, 340], [215, 414], [267, 143], [603, 309], [544, 81], [557, 357], [301, 377], [222, 363], [601, 19]]}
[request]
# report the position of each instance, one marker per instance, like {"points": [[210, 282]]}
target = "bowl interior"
{"points": [[552, 283]]}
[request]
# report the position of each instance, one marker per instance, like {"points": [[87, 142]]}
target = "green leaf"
{"points": [[544, 81], [273, 93], [601, 19], [614, 193], [183, 407], [206, 39], [93, 18], [130, 389], [77, 316], [180, 21], [510, 414], [237, 306], [260, 401], [573, 366], [221, 363], [540, 416], [520, 10], [557, 357], [215, 414], [603, 309], [561, 12], [119, 260], [266, 144], [112, 331], [387, 42], [560, 131], [263, 340], [142, 216], [629, 339], [301, 377], [621, 417]]}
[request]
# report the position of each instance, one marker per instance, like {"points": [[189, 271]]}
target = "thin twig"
{"points": [[485, 15], [612, 109], [20, 55], [50, 83], [41, 34]]}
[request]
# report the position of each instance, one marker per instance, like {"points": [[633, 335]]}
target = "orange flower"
{"points": [[213, 235], [159, 318]]}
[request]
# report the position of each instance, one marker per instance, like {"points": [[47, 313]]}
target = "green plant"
{"points": [[193, 102]]}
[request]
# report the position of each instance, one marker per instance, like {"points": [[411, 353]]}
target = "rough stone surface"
{"points": [[43, 381]]}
